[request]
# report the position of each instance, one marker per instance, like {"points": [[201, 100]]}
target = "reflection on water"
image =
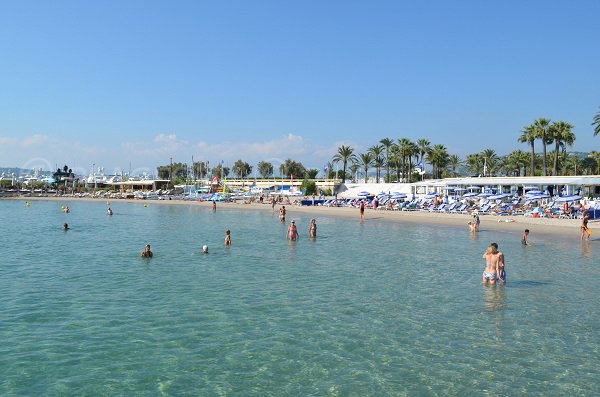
{"points": [[586, 249], [494, 297]]}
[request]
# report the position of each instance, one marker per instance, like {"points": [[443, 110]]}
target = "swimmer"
{"points": [[205, 249], [66, 210], [492, 257], [525, 237], [227, 237], [362, 210], [471, 227], [312, 229], [109, 211], [214, 206], [65, 226], [146, 253], [292, 232]]}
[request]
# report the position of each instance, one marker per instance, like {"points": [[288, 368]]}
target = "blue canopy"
{"points": [[567, 198]]}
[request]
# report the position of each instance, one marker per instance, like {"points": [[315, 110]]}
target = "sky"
{"points": [[130, 85]]}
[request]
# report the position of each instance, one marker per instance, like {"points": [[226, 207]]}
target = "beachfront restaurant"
{"points": [[141, 185], [587, 187]]}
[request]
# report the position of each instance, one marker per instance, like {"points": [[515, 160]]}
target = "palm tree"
{"points": [[474, 163], [344, 154], [594, 155], [377, 151], [541, 127], [423, 147], [490, 161], [354, 167], [366, 161], [596, 123], [528, 135], [454, 162], [563, 135], [387, 144], [438, 158]]}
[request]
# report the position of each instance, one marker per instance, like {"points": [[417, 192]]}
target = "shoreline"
{"points": [[551, 227]]}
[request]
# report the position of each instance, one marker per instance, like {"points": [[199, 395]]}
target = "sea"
{"points": [[373, 308]]}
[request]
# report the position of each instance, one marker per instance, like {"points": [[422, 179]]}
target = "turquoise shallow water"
{"points": [[372, 309]]}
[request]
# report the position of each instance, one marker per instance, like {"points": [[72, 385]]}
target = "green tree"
{"points": [[541, 126], [594, 155], [172, 171], [200, 169], [423, 146], [241, 168], [562, 133], [311, 173], [387, 144], [572, 162], [265, 169], [454, 162], [597, 123], [220, 171], [529, 135], [378, 160], [475, 164], [365, 160], [308, 187], [354, 167], [438, 158], [345, 154], [490, 161], [290, 168]]}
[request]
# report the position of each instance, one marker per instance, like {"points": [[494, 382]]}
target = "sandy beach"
{"points": [[551, 227]]}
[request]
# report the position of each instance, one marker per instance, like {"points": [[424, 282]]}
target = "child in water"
{"points": [[227, 237], [525, 237]]}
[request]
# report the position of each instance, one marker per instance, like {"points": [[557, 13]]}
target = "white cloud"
{"points": [[35, 139]]}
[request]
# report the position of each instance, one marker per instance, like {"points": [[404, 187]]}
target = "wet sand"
{"points": [[552, 227]]}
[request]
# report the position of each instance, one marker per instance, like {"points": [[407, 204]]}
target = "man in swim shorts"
{"points": [[525, 237], [501, 271]]}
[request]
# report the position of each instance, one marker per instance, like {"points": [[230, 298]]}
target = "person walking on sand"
{"points": [[491, 271], [362, 210], [227, 237], [585, 231], [292, 232], [312, 228], [525, 237]]}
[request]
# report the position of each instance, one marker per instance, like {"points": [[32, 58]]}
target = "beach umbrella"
{"points": [[567, 198], [431, 195], [470, 194], [483, 195], [398, 195], [537, 196], [499, 196], [473, 187], [363, 193], [530, 187], [459, 189]]}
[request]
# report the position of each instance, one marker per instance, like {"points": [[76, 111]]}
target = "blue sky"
{"points": [[120, 83]]}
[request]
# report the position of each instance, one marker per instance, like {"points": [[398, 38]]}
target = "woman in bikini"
{"points": [[312, 229], [492, 259], [584, 225]]}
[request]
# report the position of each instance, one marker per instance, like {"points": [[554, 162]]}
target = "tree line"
{"points": [[404, 160]]}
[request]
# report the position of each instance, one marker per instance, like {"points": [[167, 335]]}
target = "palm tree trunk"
{"points": [[555, 167], [544, 158], [344, 176], [532, 159]]}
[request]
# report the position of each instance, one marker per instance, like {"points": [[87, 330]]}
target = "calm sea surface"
{"points": [[372, 309]]}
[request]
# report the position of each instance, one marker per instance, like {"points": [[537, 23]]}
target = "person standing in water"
{"points": [[282, 214], [146, 253], [362, 210], [214, 206], [491, 271], [292, 232], [65, 226], [109, 211], [227, 237], [525, 237], [312, 228], [501, 271], [584, 226]]}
